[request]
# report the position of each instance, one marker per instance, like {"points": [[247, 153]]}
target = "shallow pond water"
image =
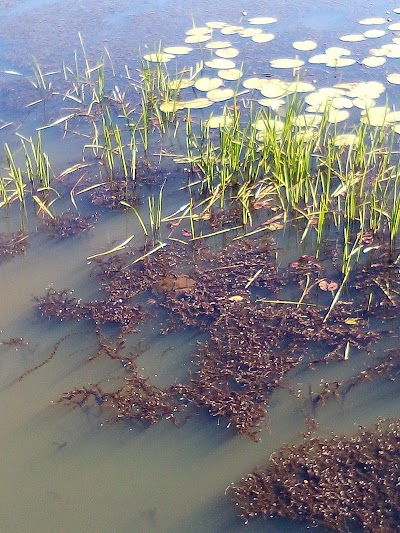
{"points": [[65, 469]]}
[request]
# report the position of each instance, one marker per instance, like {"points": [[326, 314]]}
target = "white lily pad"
{"points": [[170, 106], [252, 83], [216, 25], [318, 59], [393, 78], [220, 63], [376, 116], [208, 84], [374, 34], [250, 32], [198, 31], [393, 51], [286, 63], [396, 129], [262, 20], [263, 37], [266, 124], [158, 57], [307, 120], [337, 62], [394, 27], [378, 52], [373, 61], [273, 103], [337, 51], [178, 50], [179, 84], [219, 121], [197, 103], [200, 38], [274, 90], [218, 44], [230, 30], [300, 87], [341, 102], [393, 116], [337, 115], [373, 20], [364, 103], [227, 53], [219, 95], [230, 74], [352, 38], [305, 45], [345, 139]]}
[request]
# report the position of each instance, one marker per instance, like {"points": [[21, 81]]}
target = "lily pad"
{"points": [[337, 115], [373, 61], [219, 121], [216, 25], [304, 45], [227, 53], [318, 59], [263, 37], [200, 38], [250, 32], [393, 78], [207, 84], [183, 83], [230, 74], [394, 27], [374, 34], [273, 103], [218, 44], [340, 62], [364, 103], [352, 38], [178, 50], [337, 51], [376, 116], [199, 30], [220, 63], [286, 63], [158, 57], [230, 30], [373, 20], [262, 20], [345, 139], [306, 120], [197, 103], [219, 95], [252, 83], [170, 106]]}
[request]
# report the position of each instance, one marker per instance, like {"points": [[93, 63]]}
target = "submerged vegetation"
{"points": [[247, 169]]}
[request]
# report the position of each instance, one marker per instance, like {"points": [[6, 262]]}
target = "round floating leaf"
{"points": [[394, 27], [208, 84], [300, 87], [180, 84], [378, 52], [364, 103], [393, 51], [345, 139], [274, 88], [216, 25], [397, 10], [250, 32], [374, 34], [341, 102], [304, 45], [219, 121], [286, 63], [376, 116], [218, 44], [197, 103], [319, 59], [352, 38], [170, 106], [396, 129], [393, 78], [304, 121], [337, 115], [273, 103], [230, 30], [227, 53], [219, 95], [265, 124], [337, 51], [373, 61], [200, 38], [158, 57], [220, 63], [373, 20], [178, 50], [263, 37], [252, 83], [262, 20], [198, 31], [231, 74], [393, 116], [306, 135], [340, 62]]}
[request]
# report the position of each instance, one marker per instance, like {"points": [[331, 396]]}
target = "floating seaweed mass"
{"points": [[342, 482], [12, 244]]}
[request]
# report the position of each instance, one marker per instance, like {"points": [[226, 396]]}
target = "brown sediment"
{"points": [[69, 224], [12, 244], [343, 483]]}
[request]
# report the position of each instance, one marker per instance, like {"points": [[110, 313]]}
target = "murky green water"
{"points": [[64, 470]]}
